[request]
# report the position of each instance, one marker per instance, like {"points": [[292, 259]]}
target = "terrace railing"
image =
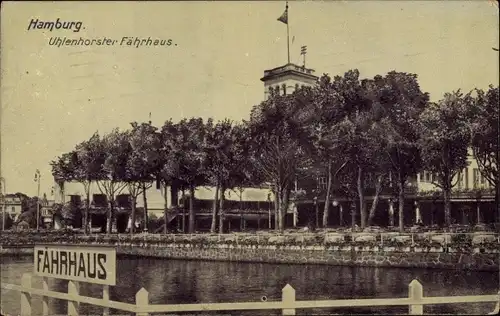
{"points": [[288, 303]]}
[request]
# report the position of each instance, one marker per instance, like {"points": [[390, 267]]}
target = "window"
{"points": [[428, 176], [123, 200], [284, 89], [422, 176], [100, 200], [13, 209], [475, 177], [322, 182], [75, 199]]}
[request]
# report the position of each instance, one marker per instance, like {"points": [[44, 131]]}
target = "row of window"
{"points": [[463, 178], [101, 200], [369, 181], [282, 90], [428, 177]]}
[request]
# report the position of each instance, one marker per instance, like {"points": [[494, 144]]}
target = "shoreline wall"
{"points": [[409, 257]]}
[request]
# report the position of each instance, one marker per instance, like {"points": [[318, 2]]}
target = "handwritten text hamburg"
{"points": [[59, 41]]}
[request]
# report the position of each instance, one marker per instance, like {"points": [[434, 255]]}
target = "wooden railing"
{"points": [[288, 304]]}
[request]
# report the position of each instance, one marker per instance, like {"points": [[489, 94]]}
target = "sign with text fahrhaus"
{"points": [[85, 264]]}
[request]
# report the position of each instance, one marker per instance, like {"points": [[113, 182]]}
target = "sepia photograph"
{"points": [[249, 157]]}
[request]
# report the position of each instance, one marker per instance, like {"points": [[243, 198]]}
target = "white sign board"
{"points": [[85, 264]]}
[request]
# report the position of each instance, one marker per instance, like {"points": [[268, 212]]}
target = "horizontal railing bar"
{"points": [[317, 304], [67, 297], [162, 308], [460, 299]]}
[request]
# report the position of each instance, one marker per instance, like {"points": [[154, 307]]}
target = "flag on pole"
{"points": [[284, 17]]}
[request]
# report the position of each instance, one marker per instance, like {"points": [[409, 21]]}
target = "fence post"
{"points": [[73, 290], [45, 299], [415, 294], [105, 297], [141, 300], [25, 296], [288, 298]]}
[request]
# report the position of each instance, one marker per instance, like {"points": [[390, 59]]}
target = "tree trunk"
{"points": [[401, 202], [133, 207], [280, 210], [391, 213], [86, 212], [174, 193], [241, 209], [110, 216], [165, 210], [221, 209], [361, 195], [276, 208], [326, 210], [353, 214], [378, 189], [191, 210], [447, 206], [214, 209], [284, 207], [145, 200], [183, 211]]}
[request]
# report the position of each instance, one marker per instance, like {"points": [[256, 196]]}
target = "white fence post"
{"points": [[73, 290], [45, 299], [416, 293], [141, 300], [25, 296], [105, 297], [288, 298]]}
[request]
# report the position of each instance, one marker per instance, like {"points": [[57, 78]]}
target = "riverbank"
{"points": [[469, 252]]}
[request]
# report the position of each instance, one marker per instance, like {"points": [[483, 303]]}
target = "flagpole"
{"points": [[288, 32]]}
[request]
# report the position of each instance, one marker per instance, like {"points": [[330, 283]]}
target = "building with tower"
{"points": [[286, 79]]}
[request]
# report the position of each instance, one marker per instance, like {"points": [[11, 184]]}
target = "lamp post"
{"points": [[336, 203], [317, 211], [3, 186], [37, 179], [269, 209]]}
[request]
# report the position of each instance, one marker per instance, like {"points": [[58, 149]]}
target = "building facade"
{"points": [[11, 205], [472, 198]]}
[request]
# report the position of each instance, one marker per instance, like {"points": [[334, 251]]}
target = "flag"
{"points": [[284, 17]]}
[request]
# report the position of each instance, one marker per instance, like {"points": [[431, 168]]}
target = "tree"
{"points": [[485, 130], [397, 101], [116, 147], [141, 164], [217, 150], [63, 170], [168, 168], [183, 157], [87, 161], [328, 141], [279, 142], [444, 140], [240, 170]]}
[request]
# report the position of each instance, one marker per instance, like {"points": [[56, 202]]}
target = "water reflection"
{"points": [[179, 281]]}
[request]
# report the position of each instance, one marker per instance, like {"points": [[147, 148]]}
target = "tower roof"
{"points": [[289, 69]]}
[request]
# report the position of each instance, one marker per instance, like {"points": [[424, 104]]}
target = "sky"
{"points": [[55, 97]]}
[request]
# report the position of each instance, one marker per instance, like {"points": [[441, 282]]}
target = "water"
{"points": [[180, 281]]}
